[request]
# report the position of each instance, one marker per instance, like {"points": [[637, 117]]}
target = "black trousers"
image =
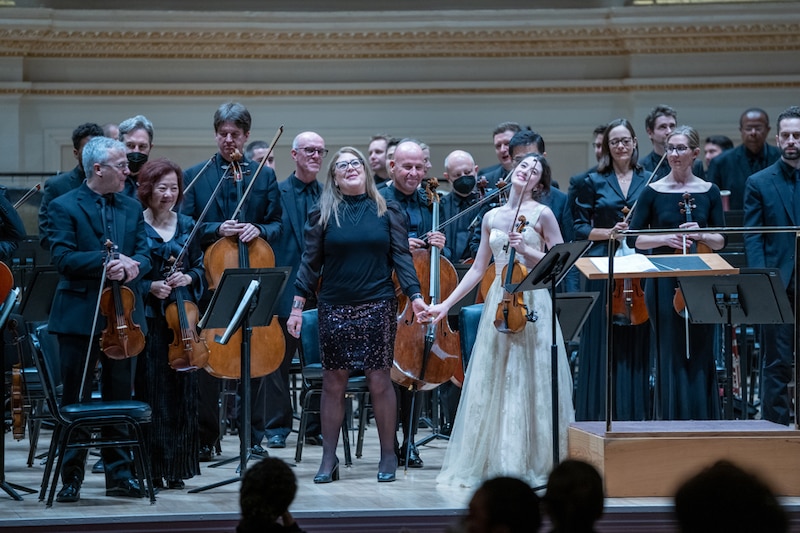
{"points": [[116, 383]]}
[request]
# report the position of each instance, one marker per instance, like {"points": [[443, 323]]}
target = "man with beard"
{"points": [[136, 133], [772, 198], [260, 217]]}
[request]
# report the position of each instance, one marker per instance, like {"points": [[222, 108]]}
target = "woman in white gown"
{"points": [[504, 422]]}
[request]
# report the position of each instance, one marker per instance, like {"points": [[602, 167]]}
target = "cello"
{"points": [[268, 344], [426, 354]]}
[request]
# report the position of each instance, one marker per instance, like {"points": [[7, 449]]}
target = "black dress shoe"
{"points": [[313, 440], [206, 454], [128, 488], [276, 441], [259, 451], [414, 460], [98, 467], [70, 492], [177, 484]]}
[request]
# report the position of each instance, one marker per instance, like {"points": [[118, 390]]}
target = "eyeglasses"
{"points": [[118, 166], [342, 165], [311, 151], [626, 141], [680, 149]]}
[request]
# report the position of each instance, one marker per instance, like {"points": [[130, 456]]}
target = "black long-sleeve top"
{"points": [[355, 259]]}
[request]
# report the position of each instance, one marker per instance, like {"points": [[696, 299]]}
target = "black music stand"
{"points": [[548, 273], [243, 293], [572, 310], [754, 296], [38, 296]]}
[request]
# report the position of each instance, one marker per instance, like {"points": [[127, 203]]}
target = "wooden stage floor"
{"points": [[356, 503]]}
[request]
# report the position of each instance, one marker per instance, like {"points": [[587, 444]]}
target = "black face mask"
{"points": [[135, 161], [464, 185]]}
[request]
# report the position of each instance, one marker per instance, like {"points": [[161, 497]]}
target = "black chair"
{"points": [[468, 319], [36, 404], [92, 416], [311, 370]]}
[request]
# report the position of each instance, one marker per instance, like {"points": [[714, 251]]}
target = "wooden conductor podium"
{"points": [[652, 458]]}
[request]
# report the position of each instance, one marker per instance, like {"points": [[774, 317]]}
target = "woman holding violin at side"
{"points": [[503, 425], [686, 375], [172, 436], [602, 203], [354, 238]]}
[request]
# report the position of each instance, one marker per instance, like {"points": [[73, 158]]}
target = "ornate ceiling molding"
{"points": [[528, 34], [248, 92]]}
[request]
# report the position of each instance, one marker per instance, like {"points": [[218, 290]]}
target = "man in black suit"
{"points": [[260, 217], [501, 135], [66, 181], [299, 193], [730, 169], [772, 198], [80, 223]]}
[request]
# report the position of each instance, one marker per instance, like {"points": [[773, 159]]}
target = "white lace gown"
{"points": [[504, 422]]}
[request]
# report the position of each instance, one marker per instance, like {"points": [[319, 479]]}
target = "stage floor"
{"points": [[356, 503]]}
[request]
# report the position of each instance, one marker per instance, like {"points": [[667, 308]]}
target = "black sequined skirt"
{"points": [[357, 337]]}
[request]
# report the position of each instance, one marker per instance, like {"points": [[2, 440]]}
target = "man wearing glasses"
{"points": [[81, 222], [299, 194], [731, 169], [259, 217]]}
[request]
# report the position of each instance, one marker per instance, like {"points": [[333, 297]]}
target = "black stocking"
{"points": [[384, 406], [334, 383]]}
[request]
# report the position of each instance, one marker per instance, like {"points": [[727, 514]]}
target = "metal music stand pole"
{"points": [[243, 293], [10, 488], [547, 274]]}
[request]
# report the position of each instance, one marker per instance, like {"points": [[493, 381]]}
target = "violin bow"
{"points": [[260, 166], [191, 183], [195, 229], [107, 258], [30, 192], [652, 175], [469, 209]]}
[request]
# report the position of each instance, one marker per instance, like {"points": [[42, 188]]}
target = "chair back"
{"points": [[468, 319], [309, 339], [45, 365]]}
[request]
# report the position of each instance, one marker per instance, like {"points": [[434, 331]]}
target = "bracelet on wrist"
{"points": [[415, 296]]}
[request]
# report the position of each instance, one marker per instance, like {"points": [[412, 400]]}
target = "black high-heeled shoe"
{"points": [[333, 475]]}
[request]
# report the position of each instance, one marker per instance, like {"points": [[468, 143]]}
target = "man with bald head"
{"points": [[731, 169], [299, 194], [460, 171], [407, 169]]}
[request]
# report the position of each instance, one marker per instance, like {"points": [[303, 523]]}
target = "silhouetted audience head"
{"points": [[725, 498], [503, 504], [574, 498], [268, 488]]}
